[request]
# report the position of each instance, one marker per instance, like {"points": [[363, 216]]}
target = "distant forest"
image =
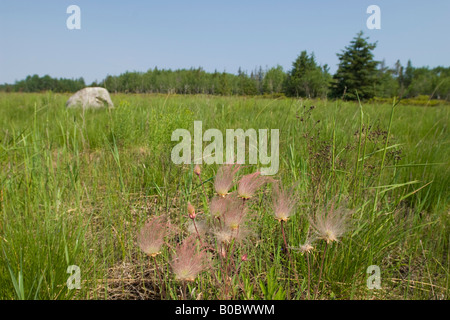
{"points": [[357, 72]]}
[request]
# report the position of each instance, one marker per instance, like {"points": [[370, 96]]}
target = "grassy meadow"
{"points": [[76, 187]]}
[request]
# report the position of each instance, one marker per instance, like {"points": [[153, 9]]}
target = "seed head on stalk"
{"points": [[218, 206], [284, 202], [189, 260], [191, 211], [330, 226], [151, 236], [249, 184], [235, 214], [225, 178]]}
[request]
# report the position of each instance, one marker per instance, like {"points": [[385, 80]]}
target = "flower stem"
{"points": [[309, 275], [160, 275], [321, 269], [184, 290], [196, 230]]}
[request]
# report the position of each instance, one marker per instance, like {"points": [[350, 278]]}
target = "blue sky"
{"points": [[133, 35]]}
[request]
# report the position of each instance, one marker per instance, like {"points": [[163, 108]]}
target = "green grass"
{"points": [[77, 186]]}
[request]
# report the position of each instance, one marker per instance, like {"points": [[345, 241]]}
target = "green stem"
{"points": [[309, 275], [321, 269], [160, 275]]}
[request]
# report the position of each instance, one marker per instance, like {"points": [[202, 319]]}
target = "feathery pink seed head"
{"points": [[189, 261], [306, 248], [284, 203], [224, 178], [249, 184], [218, 206], [226, 235], [330, 226], [235, 213], [151, 236]]}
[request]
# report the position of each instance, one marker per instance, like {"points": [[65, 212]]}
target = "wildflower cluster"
{"points": [[217, 234]]}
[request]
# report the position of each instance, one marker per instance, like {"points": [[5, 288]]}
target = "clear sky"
{"points": [[133, 35]]}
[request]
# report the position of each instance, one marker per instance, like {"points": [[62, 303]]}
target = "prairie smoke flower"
{"points": [[229, 208], [235, 214], [224, 178], [283, 203], [226, 234], [197, 170], [306, 247], [191, 211], [188, 261], [330, 227], [151, 236], [218, 206], [249, 184]]}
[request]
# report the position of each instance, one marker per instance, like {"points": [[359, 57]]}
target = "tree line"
{"points": [[38, 84], [358, 75]]}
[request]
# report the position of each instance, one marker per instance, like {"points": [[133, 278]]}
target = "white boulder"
{"points": [[92, 97]]}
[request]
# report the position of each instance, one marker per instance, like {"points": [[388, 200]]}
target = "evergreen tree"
{"points": [[357, 71], [307, 79], [409, 74], [224, 88], [387, 86], [273, 80], [398, 73]]}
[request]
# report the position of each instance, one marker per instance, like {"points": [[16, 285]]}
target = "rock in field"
{"points": [[92, 97]]}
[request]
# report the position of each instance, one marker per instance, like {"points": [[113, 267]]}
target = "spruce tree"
{"points": [[307, 78], [357, 71]]}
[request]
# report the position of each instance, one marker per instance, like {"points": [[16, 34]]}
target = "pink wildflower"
{"points": [[188, 261], [235, 214], [151, 236], [191, 211], [330, 227], [283, 203], [226, 235], [197, 170], [218, 206], [224, 178], [249, 184]]}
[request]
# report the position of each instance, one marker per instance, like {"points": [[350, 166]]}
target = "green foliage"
{"points": [[421, 100], [271, 288], [387, 86], [37, 84], [274, 80], [357, 74], [76, 186], [413, 84], [307, 79]]}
